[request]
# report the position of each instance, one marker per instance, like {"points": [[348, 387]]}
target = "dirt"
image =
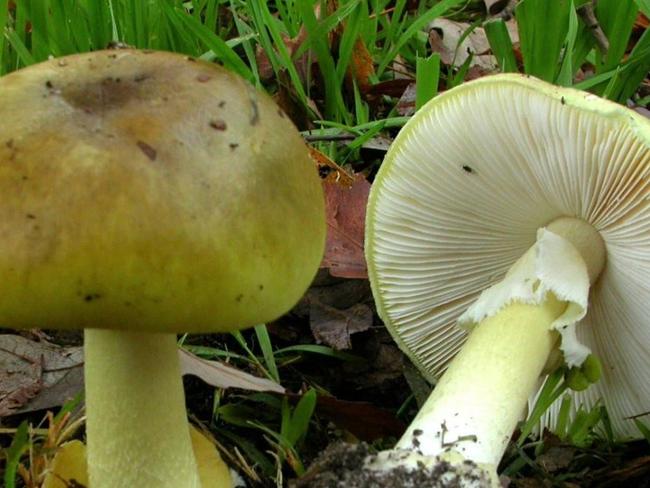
{"points": [[338, 467]]}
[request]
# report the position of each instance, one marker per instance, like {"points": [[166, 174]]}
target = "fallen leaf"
{"points": [[334, 327], [445, 38], [37, 375], [364, 420], [556, 458], [406, 104], [392, 88], [329, 171], [346, 213], [362, 67], [216, 373]]}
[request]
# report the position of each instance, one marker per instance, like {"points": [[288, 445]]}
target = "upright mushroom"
{"points": [[508, 204], [143, 194]]}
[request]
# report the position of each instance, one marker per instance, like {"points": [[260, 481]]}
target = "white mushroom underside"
{"points": [[461, 197]]}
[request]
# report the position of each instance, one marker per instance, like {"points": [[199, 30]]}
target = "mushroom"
{"points": [[506, 205], [146, 193]]}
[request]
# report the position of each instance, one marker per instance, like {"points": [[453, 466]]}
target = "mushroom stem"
{"points": [[136, 423], [475, 406], [477, 403]]}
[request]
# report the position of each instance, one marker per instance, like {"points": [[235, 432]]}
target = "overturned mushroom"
{"points": [[508, 205], [144, 194]]}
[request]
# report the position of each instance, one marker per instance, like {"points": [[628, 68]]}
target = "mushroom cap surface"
{"points": [[147, 190], [461, 194]]}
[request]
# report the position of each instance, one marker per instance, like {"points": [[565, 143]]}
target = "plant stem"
{"points": [[137, 425], [477, 403]]}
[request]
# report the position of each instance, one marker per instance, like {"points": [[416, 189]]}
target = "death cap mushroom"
{"points": [[144, 194], [145, 189], [462, 195]]}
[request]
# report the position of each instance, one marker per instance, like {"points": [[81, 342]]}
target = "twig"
{"points": [[586, 12], [329, 137]]}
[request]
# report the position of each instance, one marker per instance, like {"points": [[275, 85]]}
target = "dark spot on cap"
{"points": [[562, 101], [49, 84], [9, 143], [140, 78], [233, 146], [218, 124], [222, 104], [148, 151], [417, 432], [239, 298], [467, 169], [261, 287], [202, 78], [91, 296], [30, 216]]}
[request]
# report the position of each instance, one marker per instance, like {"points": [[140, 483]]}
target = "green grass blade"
{"points": [[427, 75], [211, 40], [325, 61], [565, 76], [644, 6], [643, 428], [616, 18], [416, 26], [252, 452], [563, 417], [326, 25], [4, 17], [543, 27], [301, 416], [21, 50], [501, 45], [553, 387], [580, 432], [636, 69], [100, 22], [237, 335], [264, 341], [14, 452], [322, 350]]}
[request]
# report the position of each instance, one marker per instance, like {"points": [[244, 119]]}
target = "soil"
{"points": [[338, 467]]}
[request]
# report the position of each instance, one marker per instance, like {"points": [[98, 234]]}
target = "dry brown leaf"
{"points": [[216, 373], [361, 67], [37, 375], [406, 104], [445, 35], [556, 458], [334, 327], [363, 420], [329, 170], [346, 213]]}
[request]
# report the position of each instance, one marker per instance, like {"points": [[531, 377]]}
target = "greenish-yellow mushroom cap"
{"points": [[146, 190]]}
